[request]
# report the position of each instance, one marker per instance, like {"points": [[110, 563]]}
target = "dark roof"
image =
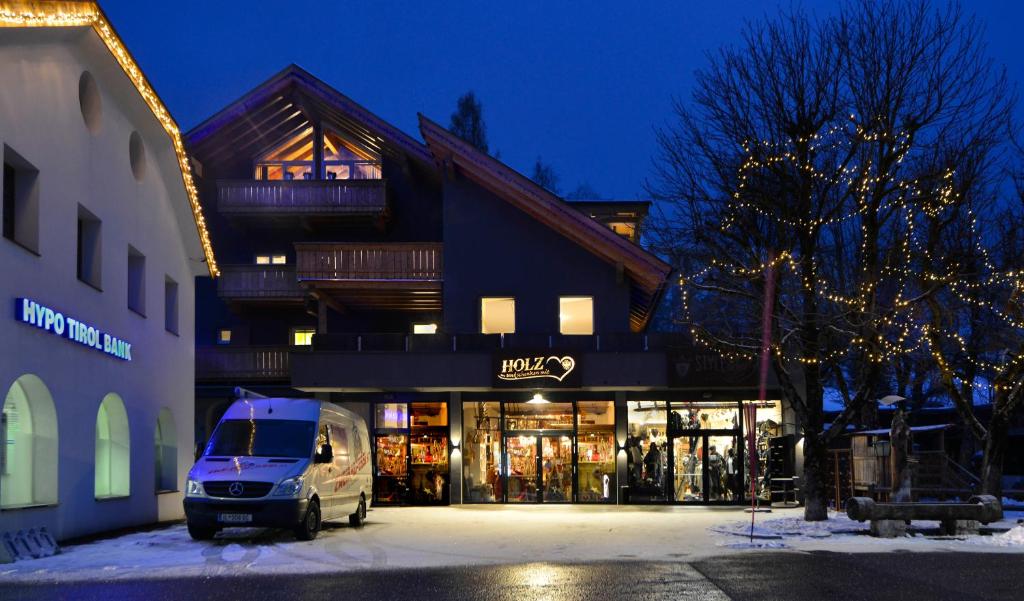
{"points": [[647, 272], [280, 107]]}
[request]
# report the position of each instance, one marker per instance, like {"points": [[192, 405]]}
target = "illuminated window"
{"points": [[624, 229], [224, 336], [576, 314], [343, 158], [278, 259], [498, 315], [263, 259], [424, 328], [112, 475], [28, 472], [302, 337]]}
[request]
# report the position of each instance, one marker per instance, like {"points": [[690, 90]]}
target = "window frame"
{"points": [[295, 332]]}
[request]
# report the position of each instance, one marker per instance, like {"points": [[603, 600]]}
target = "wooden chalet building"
{"points": [[494, 335]]}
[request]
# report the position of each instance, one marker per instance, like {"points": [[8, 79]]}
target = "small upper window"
{"points": [[576, 314], [223, 336], [136, 281], [263, 259], [498, 315], [170, 305], [20, 201], [302, 336], [424, 328], [89, 248], [278, 259]]}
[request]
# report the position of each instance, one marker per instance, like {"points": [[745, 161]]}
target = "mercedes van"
{"points": [[280, 463]]}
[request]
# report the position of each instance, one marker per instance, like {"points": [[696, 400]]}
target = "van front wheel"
{"points": [[358, 518], [201, 533], [310, 525]]}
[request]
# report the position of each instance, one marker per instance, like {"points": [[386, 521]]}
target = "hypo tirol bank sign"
{"points": [[31, 313]]}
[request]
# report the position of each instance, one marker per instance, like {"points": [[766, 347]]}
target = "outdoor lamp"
{"points": [[538, 399]]}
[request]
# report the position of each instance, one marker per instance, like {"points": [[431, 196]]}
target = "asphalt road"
{"points": [[756, 576]]}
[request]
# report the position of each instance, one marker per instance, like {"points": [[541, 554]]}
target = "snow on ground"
{"points": [[841, 534], [474, 535]]}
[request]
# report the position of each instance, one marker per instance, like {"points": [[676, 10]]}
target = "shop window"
{"points": [[20, 201], [166, 443], [28, 473], [136, 281], [767, 426], [481, 452], [392, 415], [170, 305], [112, 449], [595, 443], [576, 315], [424, 328], [89, 248], [498, 315], [223, 336], [302, 336], [428, 453], [647, 451]]}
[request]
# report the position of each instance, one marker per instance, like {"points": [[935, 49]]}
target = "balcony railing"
{"points": [[267, 282], [340, 197], [359, 262], [236, 363], [486, 343]]}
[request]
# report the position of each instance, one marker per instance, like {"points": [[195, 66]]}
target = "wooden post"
{"points": [[318, 150]]}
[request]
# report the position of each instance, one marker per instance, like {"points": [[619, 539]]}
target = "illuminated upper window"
{"points": [[302, 337], [342, 159], [576, 314], [424, 328], [498, 315]]}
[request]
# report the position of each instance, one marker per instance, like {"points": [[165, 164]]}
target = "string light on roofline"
{"points": [[88, 14]]}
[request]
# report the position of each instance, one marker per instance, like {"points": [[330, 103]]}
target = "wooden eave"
{"points": [[647, 272]]}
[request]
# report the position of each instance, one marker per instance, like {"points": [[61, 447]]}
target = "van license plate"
{"points": [[235, 518]]}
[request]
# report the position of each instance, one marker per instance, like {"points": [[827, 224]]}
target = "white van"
{"points": [[282, 463]]}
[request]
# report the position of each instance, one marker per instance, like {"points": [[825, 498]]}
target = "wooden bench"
{"points": [[889, 520]]}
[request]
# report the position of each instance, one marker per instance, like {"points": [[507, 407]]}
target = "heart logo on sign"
{"points": [[566, 363]]}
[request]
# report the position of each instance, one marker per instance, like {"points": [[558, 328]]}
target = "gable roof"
{"points": [[646, 271], [28, 14], [279, 107]]}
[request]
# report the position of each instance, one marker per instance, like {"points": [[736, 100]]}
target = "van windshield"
{"points": [[262, 438]]}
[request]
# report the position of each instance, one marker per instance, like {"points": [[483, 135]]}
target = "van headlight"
{"points": [[194, 488], [289, 488]]}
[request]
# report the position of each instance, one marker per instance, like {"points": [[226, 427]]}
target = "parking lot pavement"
{"points": [[749, 576]]}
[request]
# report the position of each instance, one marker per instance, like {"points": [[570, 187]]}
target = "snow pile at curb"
{"points": [[793, 527], [1014, 537]]}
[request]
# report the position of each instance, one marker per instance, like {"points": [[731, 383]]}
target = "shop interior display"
{"points": [[411, 453]]}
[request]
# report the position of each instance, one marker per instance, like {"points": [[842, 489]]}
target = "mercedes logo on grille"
{"points": [[236, 489]]}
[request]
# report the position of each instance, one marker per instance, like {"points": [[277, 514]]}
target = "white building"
{"points": [[102, 240]]}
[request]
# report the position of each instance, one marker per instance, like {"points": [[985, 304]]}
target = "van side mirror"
{"points": [[325, 455]]}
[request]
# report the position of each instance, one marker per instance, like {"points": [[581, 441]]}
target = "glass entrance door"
{"points": [[539, 468], [521, 468], [556, 469], [706, 468]]}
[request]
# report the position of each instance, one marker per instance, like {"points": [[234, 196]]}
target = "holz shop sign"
{"points": [[31, 313], [541, 369]]}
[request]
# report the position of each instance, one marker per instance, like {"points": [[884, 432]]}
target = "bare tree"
{"points": [[813, 149], [544, 175]]}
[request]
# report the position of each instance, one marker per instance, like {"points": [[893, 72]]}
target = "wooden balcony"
{"points": [[309, 200], [238, 364], [259, 284], [395, 276]]}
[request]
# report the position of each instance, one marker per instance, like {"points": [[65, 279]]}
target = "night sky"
{"points": [[583, 89]]}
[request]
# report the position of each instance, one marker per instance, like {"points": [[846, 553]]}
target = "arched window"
{"points": [[29, 427], [112, 449], [166, 438]]}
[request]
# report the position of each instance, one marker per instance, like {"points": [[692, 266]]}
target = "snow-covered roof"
{"points": [[879, 431]]}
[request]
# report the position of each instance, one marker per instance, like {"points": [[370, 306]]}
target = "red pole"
{"points": [[751, 409]]}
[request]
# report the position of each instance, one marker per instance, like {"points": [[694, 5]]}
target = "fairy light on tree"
{"points": [[831, 151]]}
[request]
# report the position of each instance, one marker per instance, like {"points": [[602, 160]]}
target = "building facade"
{"points": [[102, 241], [494, 335]]}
